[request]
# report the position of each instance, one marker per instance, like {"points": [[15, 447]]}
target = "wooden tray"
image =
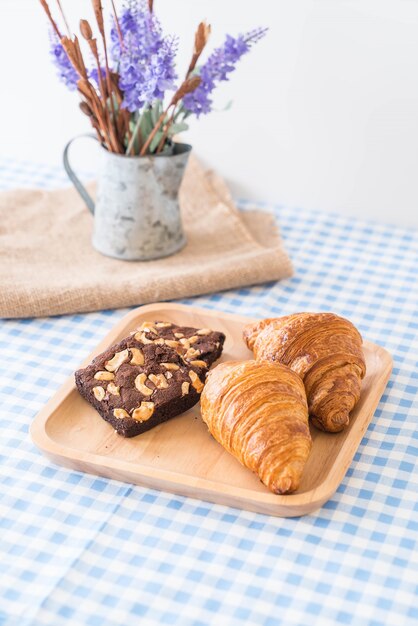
{"points": [[180, 456]]}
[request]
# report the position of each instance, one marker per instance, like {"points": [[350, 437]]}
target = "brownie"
{"points": [[155, 373]]}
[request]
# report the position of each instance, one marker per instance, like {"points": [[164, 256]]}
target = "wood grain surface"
{"points": [[180, 456]]}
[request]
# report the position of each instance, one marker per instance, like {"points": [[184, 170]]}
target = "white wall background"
{"points": [[325, 111]]}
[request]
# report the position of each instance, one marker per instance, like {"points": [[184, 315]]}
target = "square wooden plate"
{"points": [[180, 456]]}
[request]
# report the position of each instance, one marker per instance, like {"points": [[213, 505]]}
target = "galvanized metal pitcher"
{"points": [[136, 213]]}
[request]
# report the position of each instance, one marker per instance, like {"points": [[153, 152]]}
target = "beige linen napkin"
{"points": [[48, 265]]}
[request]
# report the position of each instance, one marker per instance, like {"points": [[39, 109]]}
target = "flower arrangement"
{"points": [[129, 89]]}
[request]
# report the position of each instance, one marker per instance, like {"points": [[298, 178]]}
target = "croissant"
{"points": [[258, 412], [325, 350]]}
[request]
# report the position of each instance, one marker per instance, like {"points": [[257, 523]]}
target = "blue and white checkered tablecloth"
{"points": [[82, 550]]}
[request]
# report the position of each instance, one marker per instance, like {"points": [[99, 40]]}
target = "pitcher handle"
{"points": [[73, 177]]}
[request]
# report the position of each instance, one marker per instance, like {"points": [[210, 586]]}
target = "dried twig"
{"points": [[63, 17], [114, 78], [136, 134], [73, 56], [123, 116], [118, 28], [51, 19], [87, 33], [93, 120], [86, 89], [85, 30], [165, 131], [80, 58], [98, 12], [104, 106], [85, 108], [200, 40], [92, 105], [187, 86]]}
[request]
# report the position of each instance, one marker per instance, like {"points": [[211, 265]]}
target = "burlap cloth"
{"points": [[48, 265]]}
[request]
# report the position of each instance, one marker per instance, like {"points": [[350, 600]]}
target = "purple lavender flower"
{"points": [[94, 75], [217, 68], [146, 59], [67, 73]]}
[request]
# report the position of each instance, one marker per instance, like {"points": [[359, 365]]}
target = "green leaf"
{"points": [[225, 108], [115, 103], [177, 128], [186, 114], [180, 111], [156, 111], [146, 124], [156, 140]]}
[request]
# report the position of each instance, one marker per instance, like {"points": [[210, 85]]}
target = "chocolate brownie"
{"points": [[152, 375]]}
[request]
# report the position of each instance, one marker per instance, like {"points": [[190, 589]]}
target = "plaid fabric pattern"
{"points": [[82, 550]]}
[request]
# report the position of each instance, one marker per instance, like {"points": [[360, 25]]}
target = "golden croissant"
{"points": [[258, 412], [325, 350]]}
